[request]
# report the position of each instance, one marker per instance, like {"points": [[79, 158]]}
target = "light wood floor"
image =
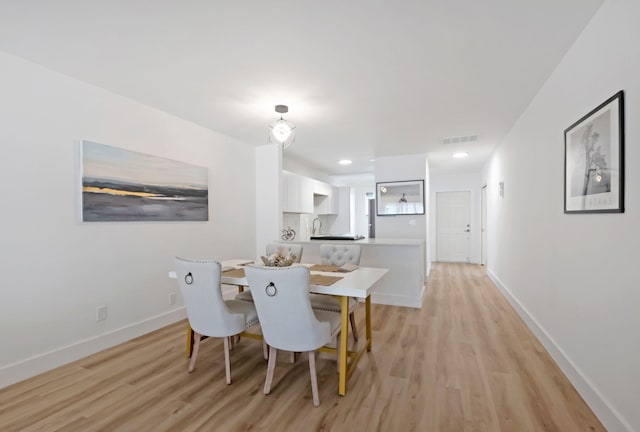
{"points": [[464, 362]]}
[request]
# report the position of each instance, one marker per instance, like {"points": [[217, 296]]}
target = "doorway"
{"points": [[453, 226]]}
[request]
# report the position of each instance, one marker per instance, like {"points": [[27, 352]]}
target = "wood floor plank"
{"points": [[464, 362]]}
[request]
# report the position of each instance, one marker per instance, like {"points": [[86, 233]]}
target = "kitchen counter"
{"points": [[367, 241], [405, 259]]}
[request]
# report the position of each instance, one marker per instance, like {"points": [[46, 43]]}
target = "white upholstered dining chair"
{"points": [[281, 297], [338, 255], [283, 249], [208, 313]]}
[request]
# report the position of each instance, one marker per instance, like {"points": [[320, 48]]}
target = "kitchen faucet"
{"points": [[313, 226]]}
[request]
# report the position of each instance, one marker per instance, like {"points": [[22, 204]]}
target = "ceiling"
{"points": [[363, 79]]}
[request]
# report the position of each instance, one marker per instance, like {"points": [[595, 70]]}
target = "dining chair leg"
{"points": [[265, 350], [354, 330], [273, 353], [227, 363], [314, 378], [194, 354]]}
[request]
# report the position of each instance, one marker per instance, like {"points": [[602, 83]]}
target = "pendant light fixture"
{"points": [[281, 132]]}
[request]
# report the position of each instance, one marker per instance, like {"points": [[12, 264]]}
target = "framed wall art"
{"points": [[594, 160], [400, 198], [122, 185]]}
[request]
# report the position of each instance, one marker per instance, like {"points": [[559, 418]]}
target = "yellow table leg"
{"points": [[344, 336], [367, 310]]}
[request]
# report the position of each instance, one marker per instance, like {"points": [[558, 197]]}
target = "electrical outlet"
{"points": [[101, 313], [172, 298]]}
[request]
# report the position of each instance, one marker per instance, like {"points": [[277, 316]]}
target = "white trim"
{"points": [[606, 413], [40, 363]]}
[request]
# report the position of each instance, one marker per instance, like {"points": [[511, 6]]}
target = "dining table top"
{"points": [[357, 283]]}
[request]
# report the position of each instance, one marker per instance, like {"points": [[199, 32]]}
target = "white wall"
{"points": [[360, 185], [57, 270], [430, 240], [291, 164], [471, 182], [574, 278], [268, 175], [359, 211], [401, 168]]}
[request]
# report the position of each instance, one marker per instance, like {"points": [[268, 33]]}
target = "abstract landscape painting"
{"points": [[122, 185]]}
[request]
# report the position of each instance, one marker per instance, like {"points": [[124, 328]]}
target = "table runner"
{"points": [[317, 279], [324, 268], [234, 273]]}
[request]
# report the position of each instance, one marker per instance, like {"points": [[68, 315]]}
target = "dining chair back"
{"points": [[281, 297], [208, 313], [340, 254], [284, 249]]}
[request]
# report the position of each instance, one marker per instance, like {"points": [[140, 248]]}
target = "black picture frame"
{"points": [[400, 198], [594, 160]]}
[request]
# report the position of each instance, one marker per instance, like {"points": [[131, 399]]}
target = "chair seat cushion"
{"points": [[246, 308], [245, 296], [330, 303], [332, 318]]}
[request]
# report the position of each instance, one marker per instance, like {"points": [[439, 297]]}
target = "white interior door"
{"points": [[453, 225], [483, 226]]}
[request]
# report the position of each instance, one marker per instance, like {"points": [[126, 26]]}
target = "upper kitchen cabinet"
{"points": [[325, 198], [327, 203], [321, 188], [297, 193]]}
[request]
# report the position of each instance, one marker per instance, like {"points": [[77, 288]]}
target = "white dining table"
{"points": [[358, 283]]}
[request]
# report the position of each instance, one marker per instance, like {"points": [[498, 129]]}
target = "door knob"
{"points": [[467, 230]]}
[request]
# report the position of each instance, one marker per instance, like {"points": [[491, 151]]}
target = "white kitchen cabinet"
{"points": [[297, 193], [321, 188], [334, 201], [342, 222], [328, 204]]}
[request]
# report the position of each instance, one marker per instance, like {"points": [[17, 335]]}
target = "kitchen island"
{"points": [[405, 259]]}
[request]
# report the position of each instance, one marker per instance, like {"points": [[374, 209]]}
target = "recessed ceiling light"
{"points": [[345, 162], [372, 160], [460, 155]]}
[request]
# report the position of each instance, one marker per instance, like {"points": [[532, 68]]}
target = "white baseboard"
{"points": [[607, 414], [33, 366]]}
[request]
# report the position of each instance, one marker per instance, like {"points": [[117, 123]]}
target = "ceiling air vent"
{"points": [[459, 139]]}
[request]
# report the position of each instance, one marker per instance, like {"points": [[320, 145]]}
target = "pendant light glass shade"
{"points": [[281, 132]]}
